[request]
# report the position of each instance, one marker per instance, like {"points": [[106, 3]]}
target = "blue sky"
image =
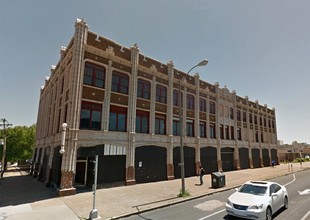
{"points": [[261, 48]]}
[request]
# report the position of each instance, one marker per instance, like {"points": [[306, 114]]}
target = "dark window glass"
{"points": [[120, 83], [160, 124], [143, 89], [190, 128], [231, 113], [142, 122], [212, 107], [190, 102], [203, 132], [238, 115], [244, 117], [94, 75], [202, 105], [212, 130], [90, 116], [118, 119], [161, 94], [239, 134], [176, 128]]}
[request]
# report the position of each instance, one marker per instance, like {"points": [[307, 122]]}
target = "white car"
{"points": [[257, 200]]}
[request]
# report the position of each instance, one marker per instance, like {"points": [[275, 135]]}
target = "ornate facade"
{"points": [[124, 106]]}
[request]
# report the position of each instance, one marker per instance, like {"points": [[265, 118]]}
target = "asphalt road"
{"points": [[213, 207]]}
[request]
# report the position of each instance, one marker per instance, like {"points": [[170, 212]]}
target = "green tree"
{"points": [[20, 142]]}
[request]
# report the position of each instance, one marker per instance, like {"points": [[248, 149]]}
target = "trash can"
{"points": [[217, 179]]}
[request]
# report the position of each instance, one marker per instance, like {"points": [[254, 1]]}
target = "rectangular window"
{"points": [[251, 118], [94, 75], [212, 130], [238, 115], [90, 116], [221, 131], [144, 89], [142, 122], [176, 98], [239, 134], [202, 105], [190, 128], [212, 107], [256, 136], [261, 137], [231, 111], [244, 117], [232, 133], [176, 127], [160, 124], [190, 102], [120, 83], [161, 94], [227, 132], [118, 119], [255, 119], [202, 129]]}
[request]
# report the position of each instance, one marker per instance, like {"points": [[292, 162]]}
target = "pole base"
{"points": [[94, 214]]}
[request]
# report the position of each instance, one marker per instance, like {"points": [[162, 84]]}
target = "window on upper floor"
{"points": [[244, 117], [144, 88], [142, 122], [202, 105], [161, 94], [160, 124], [176, 127], [239, 137], [190, 102], [190, 128], [250, 118], [90, 116], [231, 113], [212, 130], [238, 115], [212, 107], [176, 98], [120, 82], [118, 119], [203, 129], [94, 75]]}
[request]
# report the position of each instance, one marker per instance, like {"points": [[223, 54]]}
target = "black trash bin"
{"points": [[217, 179]]}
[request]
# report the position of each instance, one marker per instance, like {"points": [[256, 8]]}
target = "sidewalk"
{"points": [[39, 202]]}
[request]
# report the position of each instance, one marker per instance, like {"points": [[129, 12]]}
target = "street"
{"points": [[213, 207]]}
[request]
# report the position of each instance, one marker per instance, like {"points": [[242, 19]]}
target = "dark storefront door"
{"points": [[227, 155], [80, 177]]}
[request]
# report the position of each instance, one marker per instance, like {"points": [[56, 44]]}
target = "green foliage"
{"points": [[185, 194], [20, 142], [301, 160]]}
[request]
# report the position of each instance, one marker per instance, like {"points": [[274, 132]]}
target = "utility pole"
{"points": [[5, 124]]}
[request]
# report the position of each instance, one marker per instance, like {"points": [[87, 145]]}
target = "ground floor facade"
{"points": [[146, 158]]}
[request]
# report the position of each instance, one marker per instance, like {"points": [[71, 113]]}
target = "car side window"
{"points": [[274, 188]]}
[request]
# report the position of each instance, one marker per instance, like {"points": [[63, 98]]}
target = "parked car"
{"points": [[257, 200]]}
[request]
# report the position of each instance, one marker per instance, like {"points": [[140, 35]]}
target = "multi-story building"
{"points": [[290, 152], [124, 106]]}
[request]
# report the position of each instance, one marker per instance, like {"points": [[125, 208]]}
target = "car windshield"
{"points": [[253, 189]]}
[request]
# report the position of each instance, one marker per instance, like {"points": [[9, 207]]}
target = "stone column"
{"points": [[107, 98], [131, 117], [169, 119], [74, 108]]}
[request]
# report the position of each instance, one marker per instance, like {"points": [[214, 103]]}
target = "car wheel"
{"points": [[285, 205], [268, 214]]}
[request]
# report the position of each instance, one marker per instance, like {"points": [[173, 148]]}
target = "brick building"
{"points": [[123, 106]]}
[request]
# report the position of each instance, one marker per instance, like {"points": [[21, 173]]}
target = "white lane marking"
{"points": [[291, 181], [305, 192], [306, 215], [215, 213], [210, 205]]}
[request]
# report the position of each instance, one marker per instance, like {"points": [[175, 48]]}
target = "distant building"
{"points": [[123, 106], [289, 152]]}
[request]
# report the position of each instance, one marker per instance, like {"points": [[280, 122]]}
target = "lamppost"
{"points": [[63, 138], [202, 63]]}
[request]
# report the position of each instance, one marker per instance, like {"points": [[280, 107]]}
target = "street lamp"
{"points": [[202, 63], [63, 138]]}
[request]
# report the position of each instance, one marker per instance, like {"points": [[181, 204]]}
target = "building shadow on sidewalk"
{"points": [[16, 190]]}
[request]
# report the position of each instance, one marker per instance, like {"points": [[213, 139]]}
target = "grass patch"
{"points": [[185, 194]]}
